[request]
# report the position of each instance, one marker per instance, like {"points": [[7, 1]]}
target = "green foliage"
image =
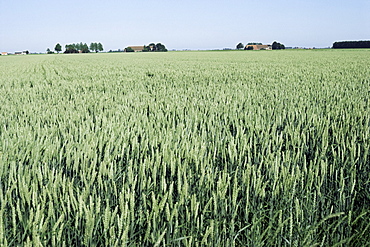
{"points": [[277, 46], [100, 47], [83, 47], [48, 51], [351, 44], [152, 47], [58, 48], [129, 49], [96, 47], [239, 46], [159, 47], [71, 48], [185, 149]]}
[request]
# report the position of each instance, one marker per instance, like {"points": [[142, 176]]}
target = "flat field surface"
{"points": [[237, 148]]}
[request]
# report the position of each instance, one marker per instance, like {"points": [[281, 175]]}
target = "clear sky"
{"points": [[36, 25]]}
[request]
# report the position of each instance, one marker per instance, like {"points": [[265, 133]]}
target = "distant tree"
{"points": [[58, 48], [71, 48], [85, 48], [75, 46], [277, 46], [248, 47], [152, 47], [160, 47], [351, 44], [129, 49], [99, 47], [79, 46], [94, 47], [239, 46], [155, 47], [48, 51]]}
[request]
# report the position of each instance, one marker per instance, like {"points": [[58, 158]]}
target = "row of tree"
{"points": [[77, 48], [351, 44]]}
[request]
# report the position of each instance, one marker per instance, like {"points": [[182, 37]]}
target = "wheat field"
{"points": [[236, 148]]}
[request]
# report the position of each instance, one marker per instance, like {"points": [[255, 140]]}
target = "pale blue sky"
{"points": [[36, 25]]}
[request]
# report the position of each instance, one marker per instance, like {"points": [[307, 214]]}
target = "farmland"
{"points": [[248, 148]]}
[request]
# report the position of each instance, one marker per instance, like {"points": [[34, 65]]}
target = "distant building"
{"points": [[258, 47], [136, 48], [20, 53], [4, 53]]}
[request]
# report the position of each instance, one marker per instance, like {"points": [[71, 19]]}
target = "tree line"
{"points": [[77, 48], [154, 47], [351, 44]]}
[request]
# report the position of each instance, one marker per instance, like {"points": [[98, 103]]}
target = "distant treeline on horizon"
{"points": [[351, 44]]}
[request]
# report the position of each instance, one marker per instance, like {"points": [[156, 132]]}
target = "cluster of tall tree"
{"points": [[77, 48], [84, 48], [351, 44], [155, 47], [96, 47], [277, 46]]}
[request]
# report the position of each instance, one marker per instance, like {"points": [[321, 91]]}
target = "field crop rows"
{"points": [[265, 148]]}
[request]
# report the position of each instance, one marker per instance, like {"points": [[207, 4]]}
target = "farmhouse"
{"points": [[4, 53], [20, 53], [258, 47], [137, 48]]}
